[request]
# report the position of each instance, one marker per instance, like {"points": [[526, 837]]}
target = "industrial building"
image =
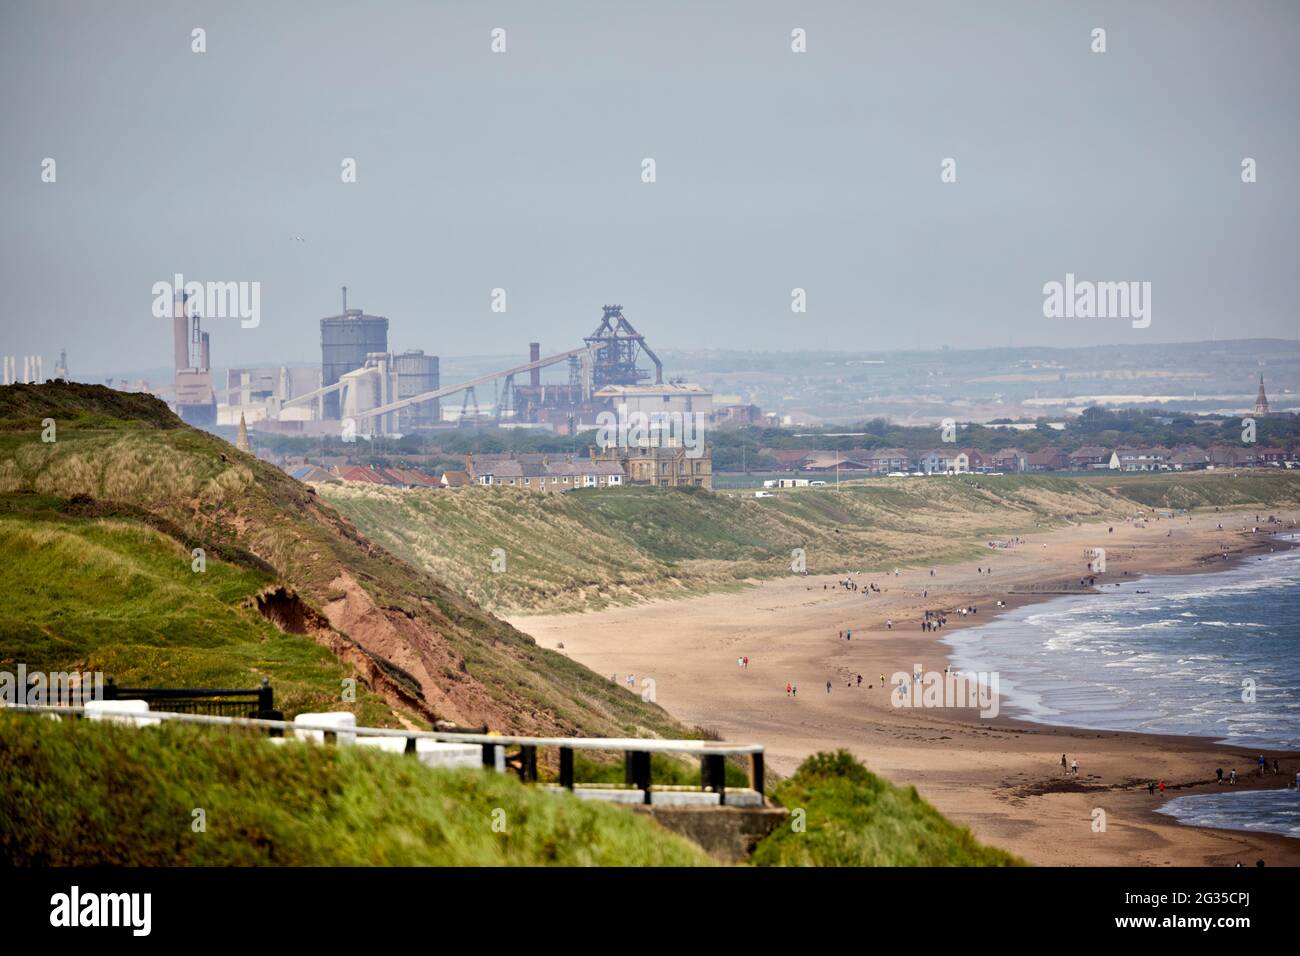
{"points": [[364, 389], [196, 401], [345, 342]]}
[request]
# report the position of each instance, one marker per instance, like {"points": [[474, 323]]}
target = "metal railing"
{"points": [[636, 751]]}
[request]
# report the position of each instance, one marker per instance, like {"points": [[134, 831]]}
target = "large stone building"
{"points": [[663, 467]]}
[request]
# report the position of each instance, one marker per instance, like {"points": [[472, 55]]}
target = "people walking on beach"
{"points": [[1232, 776], [1162, 788], [1151, 788], [1064, 766], [859, 680], [849, 636], [882, 684], [828, 686], [1074, 767], [1218, 776], [745, 663], [1262, 765], [794, 689]]}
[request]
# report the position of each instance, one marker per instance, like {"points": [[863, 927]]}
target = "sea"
{"points": [[1215, 654]]}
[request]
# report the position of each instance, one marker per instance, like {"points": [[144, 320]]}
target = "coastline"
{"points": [[1000, 776]]}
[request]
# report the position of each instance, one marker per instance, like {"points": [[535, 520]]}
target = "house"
{"points": [[311, 474], [1008, 459], [1189, 459], [541, 472], [881, 461], [1090, 458], [975, 460], [1048, 459], [408, 477], [455, 479], [788, 457], [360, 474], [829, 462], [1141, 459], [943, 461]]}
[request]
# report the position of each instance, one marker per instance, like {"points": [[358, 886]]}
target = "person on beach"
{"points": [[1218, 776], [1262, 764], [849, 636], [1162, 788], [1064, 766], [1074, 767], [828, 686], [787, 688], [859, 680], [794, 689], [1232, 776], [1151, 788]]}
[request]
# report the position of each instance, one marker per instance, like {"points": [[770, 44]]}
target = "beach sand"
{"points": [[1000, 776]]}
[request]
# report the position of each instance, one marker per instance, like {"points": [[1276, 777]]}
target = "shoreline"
{"points": [[999, 776]]}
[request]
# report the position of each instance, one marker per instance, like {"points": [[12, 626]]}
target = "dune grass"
{"points": [[854, 818], [587, 549], [76, 793]]}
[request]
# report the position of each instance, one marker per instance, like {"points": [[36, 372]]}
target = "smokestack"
{"points": [[534, 353], [345, 300], [180, 332], [204, 354]]}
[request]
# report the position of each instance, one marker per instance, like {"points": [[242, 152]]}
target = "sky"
{"points": [[522, 170]]}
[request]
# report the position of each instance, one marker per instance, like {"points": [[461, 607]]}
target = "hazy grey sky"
{"points": [[522, 170]]}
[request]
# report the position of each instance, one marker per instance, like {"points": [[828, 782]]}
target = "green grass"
{"points": [[85, 794], [854, 818], [120, 598]]}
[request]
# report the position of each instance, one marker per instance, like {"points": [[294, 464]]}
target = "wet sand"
{"points": [[999, 776]]}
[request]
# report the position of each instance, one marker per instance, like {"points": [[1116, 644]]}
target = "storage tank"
{"points": [[417, 373], [345, 341]]}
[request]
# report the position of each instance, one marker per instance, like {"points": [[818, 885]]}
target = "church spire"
{"points": [[1261, 400]]}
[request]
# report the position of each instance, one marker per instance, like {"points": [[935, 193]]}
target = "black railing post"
{"points": [[636, 770], [490, 756], [713, 774], [265, 696], [410, 745], [528, 763], [756, 771], [566, 767]]}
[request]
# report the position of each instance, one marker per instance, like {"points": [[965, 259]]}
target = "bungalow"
{"points": [[1189, 459], [1140, 459]]}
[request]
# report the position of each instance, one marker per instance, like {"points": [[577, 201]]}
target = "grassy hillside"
{"points": [[854, 818], [119, 500], [588, 548], [133, 608], [83, 794]]}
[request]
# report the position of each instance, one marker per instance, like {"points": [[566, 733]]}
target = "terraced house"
{"points": [[543, 473]]}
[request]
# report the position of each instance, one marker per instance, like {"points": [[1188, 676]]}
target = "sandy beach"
{"points": [[1000, 776]]}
